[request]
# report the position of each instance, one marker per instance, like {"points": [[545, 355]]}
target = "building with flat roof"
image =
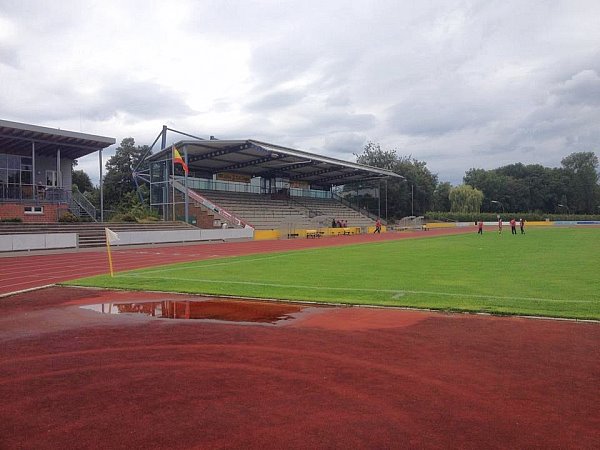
{"points": [[36, 165]]}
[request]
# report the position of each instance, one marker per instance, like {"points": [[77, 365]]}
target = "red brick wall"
{"points": [[204, 220], [16, 210]]}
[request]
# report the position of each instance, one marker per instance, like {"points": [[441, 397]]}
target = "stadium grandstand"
{"points": [[229, 189], [215, 183]]}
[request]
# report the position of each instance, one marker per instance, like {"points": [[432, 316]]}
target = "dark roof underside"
{"points": [[16, 138], [259, 159]]}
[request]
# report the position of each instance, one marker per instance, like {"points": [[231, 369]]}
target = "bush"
{"points": [[12, 220], [68, 217], [149, 219], [123, 217]]}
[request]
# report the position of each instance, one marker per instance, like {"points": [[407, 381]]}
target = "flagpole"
{"points": [[187, 199], [173, 177], [110, 264]]}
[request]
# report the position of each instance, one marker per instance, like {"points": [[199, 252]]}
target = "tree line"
{"points": [[572, 188]]}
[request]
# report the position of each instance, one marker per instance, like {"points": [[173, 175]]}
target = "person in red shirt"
{"points": [[522, 225], [513, 226], [377, 227], [480, 227]]}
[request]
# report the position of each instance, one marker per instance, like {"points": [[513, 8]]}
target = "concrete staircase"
{"points": [[329, 209], [90, 234]]}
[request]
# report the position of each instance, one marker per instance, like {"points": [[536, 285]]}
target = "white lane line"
{"points": [[200, 265]]}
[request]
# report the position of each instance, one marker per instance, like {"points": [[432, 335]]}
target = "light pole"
{"points": [[498, 203], [379, 200], [412, 196], [386, 209]]}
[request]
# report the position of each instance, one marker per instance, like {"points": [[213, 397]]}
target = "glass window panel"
{"points": [[157, 193], [13, 191], [25, 177], [13, 176], [157, 171], [50, 177], [13, 162], [3, 176], [2, 160], [26, 163]]}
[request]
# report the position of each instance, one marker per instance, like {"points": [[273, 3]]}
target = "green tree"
{"points": [[581, 168], [414, 193], [520, 187], [441, 197], [374, 156], [466, 199], [119, 168], [82, 180]]}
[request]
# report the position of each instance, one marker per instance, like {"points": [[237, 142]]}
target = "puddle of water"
{"points": [[227, 310]]}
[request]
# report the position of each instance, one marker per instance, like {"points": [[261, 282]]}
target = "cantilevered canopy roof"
{"points": [[16, 138], [259, 159]]}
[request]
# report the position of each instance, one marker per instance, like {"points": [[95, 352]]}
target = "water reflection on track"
{"points": [[227, 310]]}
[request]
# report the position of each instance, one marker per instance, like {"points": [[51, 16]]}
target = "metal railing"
{"points": [[84, 204], [362, 211], [225, 215], [30, 193]]}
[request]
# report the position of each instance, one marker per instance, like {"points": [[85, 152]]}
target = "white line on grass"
{"points": [[202, 266], [396, 292]]}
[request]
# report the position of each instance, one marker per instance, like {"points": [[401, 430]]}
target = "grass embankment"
{"points": [[547, 272]]}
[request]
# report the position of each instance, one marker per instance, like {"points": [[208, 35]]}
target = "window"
{"points": [[26, 163], [33, 209], [51, 179]]}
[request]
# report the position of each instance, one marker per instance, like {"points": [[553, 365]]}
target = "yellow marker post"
{"points": [[110, 235]]}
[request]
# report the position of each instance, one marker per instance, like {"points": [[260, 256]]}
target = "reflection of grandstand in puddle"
{"points": [[226, 310]]}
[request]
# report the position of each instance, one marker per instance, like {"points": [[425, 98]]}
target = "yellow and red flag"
{"points": [[177, 159]]}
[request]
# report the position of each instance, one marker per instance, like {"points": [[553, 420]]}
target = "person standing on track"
{"points": [[480, 227], [499, 225], [377, 226]]}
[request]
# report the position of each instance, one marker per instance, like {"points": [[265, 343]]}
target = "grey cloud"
{"points": [[582, 88], [140, 99], [276, 100], [325, 122], [343, 144], [9, 56], [437, 116]]}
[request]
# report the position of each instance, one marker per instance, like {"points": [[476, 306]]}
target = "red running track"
{"points": [[22, 272], [335, 378]]}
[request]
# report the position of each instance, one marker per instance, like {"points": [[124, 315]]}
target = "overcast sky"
{"points": [[457, 84]]}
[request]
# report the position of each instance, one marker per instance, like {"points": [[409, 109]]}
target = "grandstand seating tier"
{"points": [[263, 212]]}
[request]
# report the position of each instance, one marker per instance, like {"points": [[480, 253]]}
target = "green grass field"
{"points": [[547, 272]]}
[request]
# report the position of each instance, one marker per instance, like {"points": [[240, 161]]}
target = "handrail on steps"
{"points": [[223, 213]]}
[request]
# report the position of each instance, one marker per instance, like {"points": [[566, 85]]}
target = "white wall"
{"points": [[158, 237], [19, 242]]}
